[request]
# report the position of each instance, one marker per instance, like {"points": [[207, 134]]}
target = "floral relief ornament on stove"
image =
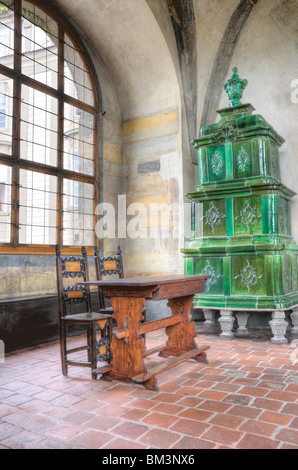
{"points": [[248, 276], [243, 159], [217, 163], [248, 215], [209, 270], [213, 217]]}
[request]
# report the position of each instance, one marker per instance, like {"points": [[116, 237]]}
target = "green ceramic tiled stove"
{"points": [[241, 230]]}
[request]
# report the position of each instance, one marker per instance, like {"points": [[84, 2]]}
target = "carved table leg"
{"points": [[180, 336], [202, 358], [127, 353], [151, 384]]}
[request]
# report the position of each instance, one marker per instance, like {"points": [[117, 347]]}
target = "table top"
{"points": [[145, 280], [151, 287]]}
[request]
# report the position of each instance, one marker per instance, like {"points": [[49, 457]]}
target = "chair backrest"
{"points": [[105, 266], [72, 267]]}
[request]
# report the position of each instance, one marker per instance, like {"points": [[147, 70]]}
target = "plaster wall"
{"points": [[212, 17]]}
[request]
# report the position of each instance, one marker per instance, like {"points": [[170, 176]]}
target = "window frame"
{"points": [[14, 159]]}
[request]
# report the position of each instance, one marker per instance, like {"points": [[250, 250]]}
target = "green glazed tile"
{"points": [[248, 215], [214, 218], [216, 163], [212, 267], [242, 159], [248, 276]]}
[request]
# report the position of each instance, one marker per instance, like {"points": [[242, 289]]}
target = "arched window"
{"points": [[48, 132]]}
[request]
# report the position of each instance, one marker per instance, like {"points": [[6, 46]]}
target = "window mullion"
{"points": [[59, 235], [16, 122]]}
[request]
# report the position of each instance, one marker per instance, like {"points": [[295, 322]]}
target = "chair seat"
{"points": [[88, 316], [108, 310]]}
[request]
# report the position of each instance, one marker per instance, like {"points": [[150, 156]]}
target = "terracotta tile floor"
{"points": [[245, 398]]}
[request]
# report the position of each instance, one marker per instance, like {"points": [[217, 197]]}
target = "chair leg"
{"points": [[63, 348], [93, 355]]}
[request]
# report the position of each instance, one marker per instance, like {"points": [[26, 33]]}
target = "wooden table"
{"points": [[128, 297]]}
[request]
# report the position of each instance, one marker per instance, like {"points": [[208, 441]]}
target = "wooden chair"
{"points": [[107, 266], [77, 267]]}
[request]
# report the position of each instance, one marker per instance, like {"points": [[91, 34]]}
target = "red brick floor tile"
{"points": [[222, 435], [6, 409], [87, 404], [50, 443], [53, 411], [16, 399], [244, 411], [21, 440], [212, 394], [142, 404], [227, 421], [18, 417], [39, 424], [130, 430], [213, 405], [35, 406], [226, 387], [6, 429], [135, 414], [47, 395], [66, 400], [258, 427], [113, 410], [275, 418], [188, 442], [190, 427], [267, 404], [168, 387], [123, 444], [102, 423], [273, 378], [288, 435], [160, 438], [77, 417], [160, 419], [292, 388], [65, 431], [253, 441], [170, 409], [294, 423], [272, 385], [189, 391], [238, 399], [91, 440], [197, 414], [290, 408], [255, 391], [167, 397], [284, 396], [288, 446]]}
